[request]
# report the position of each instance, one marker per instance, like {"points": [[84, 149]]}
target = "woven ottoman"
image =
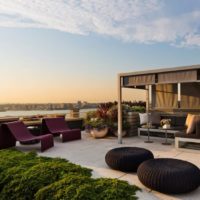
{"points": [[170, 176], [127, 159]]}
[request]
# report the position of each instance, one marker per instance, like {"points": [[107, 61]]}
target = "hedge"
{"points": [[26, 176], [73, 188]]}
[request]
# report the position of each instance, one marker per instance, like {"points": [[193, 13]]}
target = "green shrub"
{"points": [[17, 171], [77, 188], [40, 175], [115, 189], [70, 188], [10, 158], [139, 109], [91, 114], [25, 176], [14, 163]]}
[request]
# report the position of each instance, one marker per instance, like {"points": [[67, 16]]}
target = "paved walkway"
{"points": [[91, 152]]}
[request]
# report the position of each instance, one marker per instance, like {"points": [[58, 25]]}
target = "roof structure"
{"points": [[161, 70], [140, 79]]}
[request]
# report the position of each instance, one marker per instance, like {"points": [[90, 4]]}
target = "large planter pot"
{"points": [[99, 133], [134, 121]]}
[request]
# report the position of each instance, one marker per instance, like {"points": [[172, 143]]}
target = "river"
{"points": [[20, 113]]}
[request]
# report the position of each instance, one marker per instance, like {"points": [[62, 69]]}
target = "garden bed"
{"points": [[27, 176]]}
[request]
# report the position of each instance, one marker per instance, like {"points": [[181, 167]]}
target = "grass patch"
{"points": [[26, 176]]}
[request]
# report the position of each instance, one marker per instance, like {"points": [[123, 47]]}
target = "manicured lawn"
{"points": [[25, 176]]}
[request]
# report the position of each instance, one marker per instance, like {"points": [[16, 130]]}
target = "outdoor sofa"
{"points": [[193, 137], [177, 120], [155, 117]]}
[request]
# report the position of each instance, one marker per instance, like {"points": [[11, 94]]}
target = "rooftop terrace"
{"points": [[91, 152]]}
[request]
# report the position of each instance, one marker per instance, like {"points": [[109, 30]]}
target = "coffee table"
{"points": [[165, 130], [148, 132], [172, 130]]}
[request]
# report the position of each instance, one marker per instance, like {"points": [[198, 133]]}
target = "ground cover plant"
{"points": [[25, 176]]}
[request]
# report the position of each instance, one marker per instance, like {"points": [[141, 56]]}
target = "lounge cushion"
{"points": [[171, 176]]}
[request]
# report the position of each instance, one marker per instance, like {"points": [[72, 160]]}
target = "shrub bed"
{"points": [[25, 176], [73, 188]]}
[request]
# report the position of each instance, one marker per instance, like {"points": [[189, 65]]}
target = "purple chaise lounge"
{"points": [[58, 126], [22, 134]]}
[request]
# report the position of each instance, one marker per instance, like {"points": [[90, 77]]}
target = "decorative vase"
{"points": [[166, 126], [99, 133]]}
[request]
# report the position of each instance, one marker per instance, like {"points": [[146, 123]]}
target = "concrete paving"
{"points": [[90, 152]]}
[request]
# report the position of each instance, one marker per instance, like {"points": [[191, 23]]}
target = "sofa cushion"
{"points": [[188, 119], [198, 129], [180, 120], [155, 118], [190, 124], [143, 118], [198, 126]]}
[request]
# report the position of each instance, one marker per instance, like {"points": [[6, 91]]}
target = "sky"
{"points": [[70, 50]]}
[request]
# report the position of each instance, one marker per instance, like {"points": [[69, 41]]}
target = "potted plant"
{"points": [[97, 127], [89, 116]]}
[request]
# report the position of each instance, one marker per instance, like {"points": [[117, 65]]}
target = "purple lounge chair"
{"points": [[58, 126], [22, 134]]}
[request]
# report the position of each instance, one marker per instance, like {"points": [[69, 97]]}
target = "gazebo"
{"points": [[167, 90]]}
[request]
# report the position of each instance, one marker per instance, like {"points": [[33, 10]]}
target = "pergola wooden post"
{"points": [[119, 109], [148, 99], [179, 95]]}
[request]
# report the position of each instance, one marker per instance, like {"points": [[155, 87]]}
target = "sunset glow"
{"points": [[59, 55]]}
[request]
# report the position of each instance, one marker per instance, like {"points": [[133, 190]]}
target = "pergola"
{"points": [[168, 90]]}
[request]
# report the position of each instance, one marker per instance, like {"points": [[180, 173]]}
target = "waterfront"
{"points": [[21, 113]]}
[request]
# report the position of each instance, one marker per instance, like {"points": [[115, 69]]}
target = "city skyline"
{"points": [[68, 51]]}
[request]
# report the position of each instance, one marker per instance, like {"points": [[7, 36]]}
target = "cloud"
{"points": [[140, 21]]}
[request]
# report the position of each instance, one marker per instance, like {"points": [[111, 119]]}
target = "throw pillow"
{"points": [[191, 123], [188, 119], [143, 118]]}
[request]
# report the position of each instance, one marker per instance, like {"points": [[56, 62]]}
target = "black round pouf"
{"points": [[170, 176], [127, 159]]}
